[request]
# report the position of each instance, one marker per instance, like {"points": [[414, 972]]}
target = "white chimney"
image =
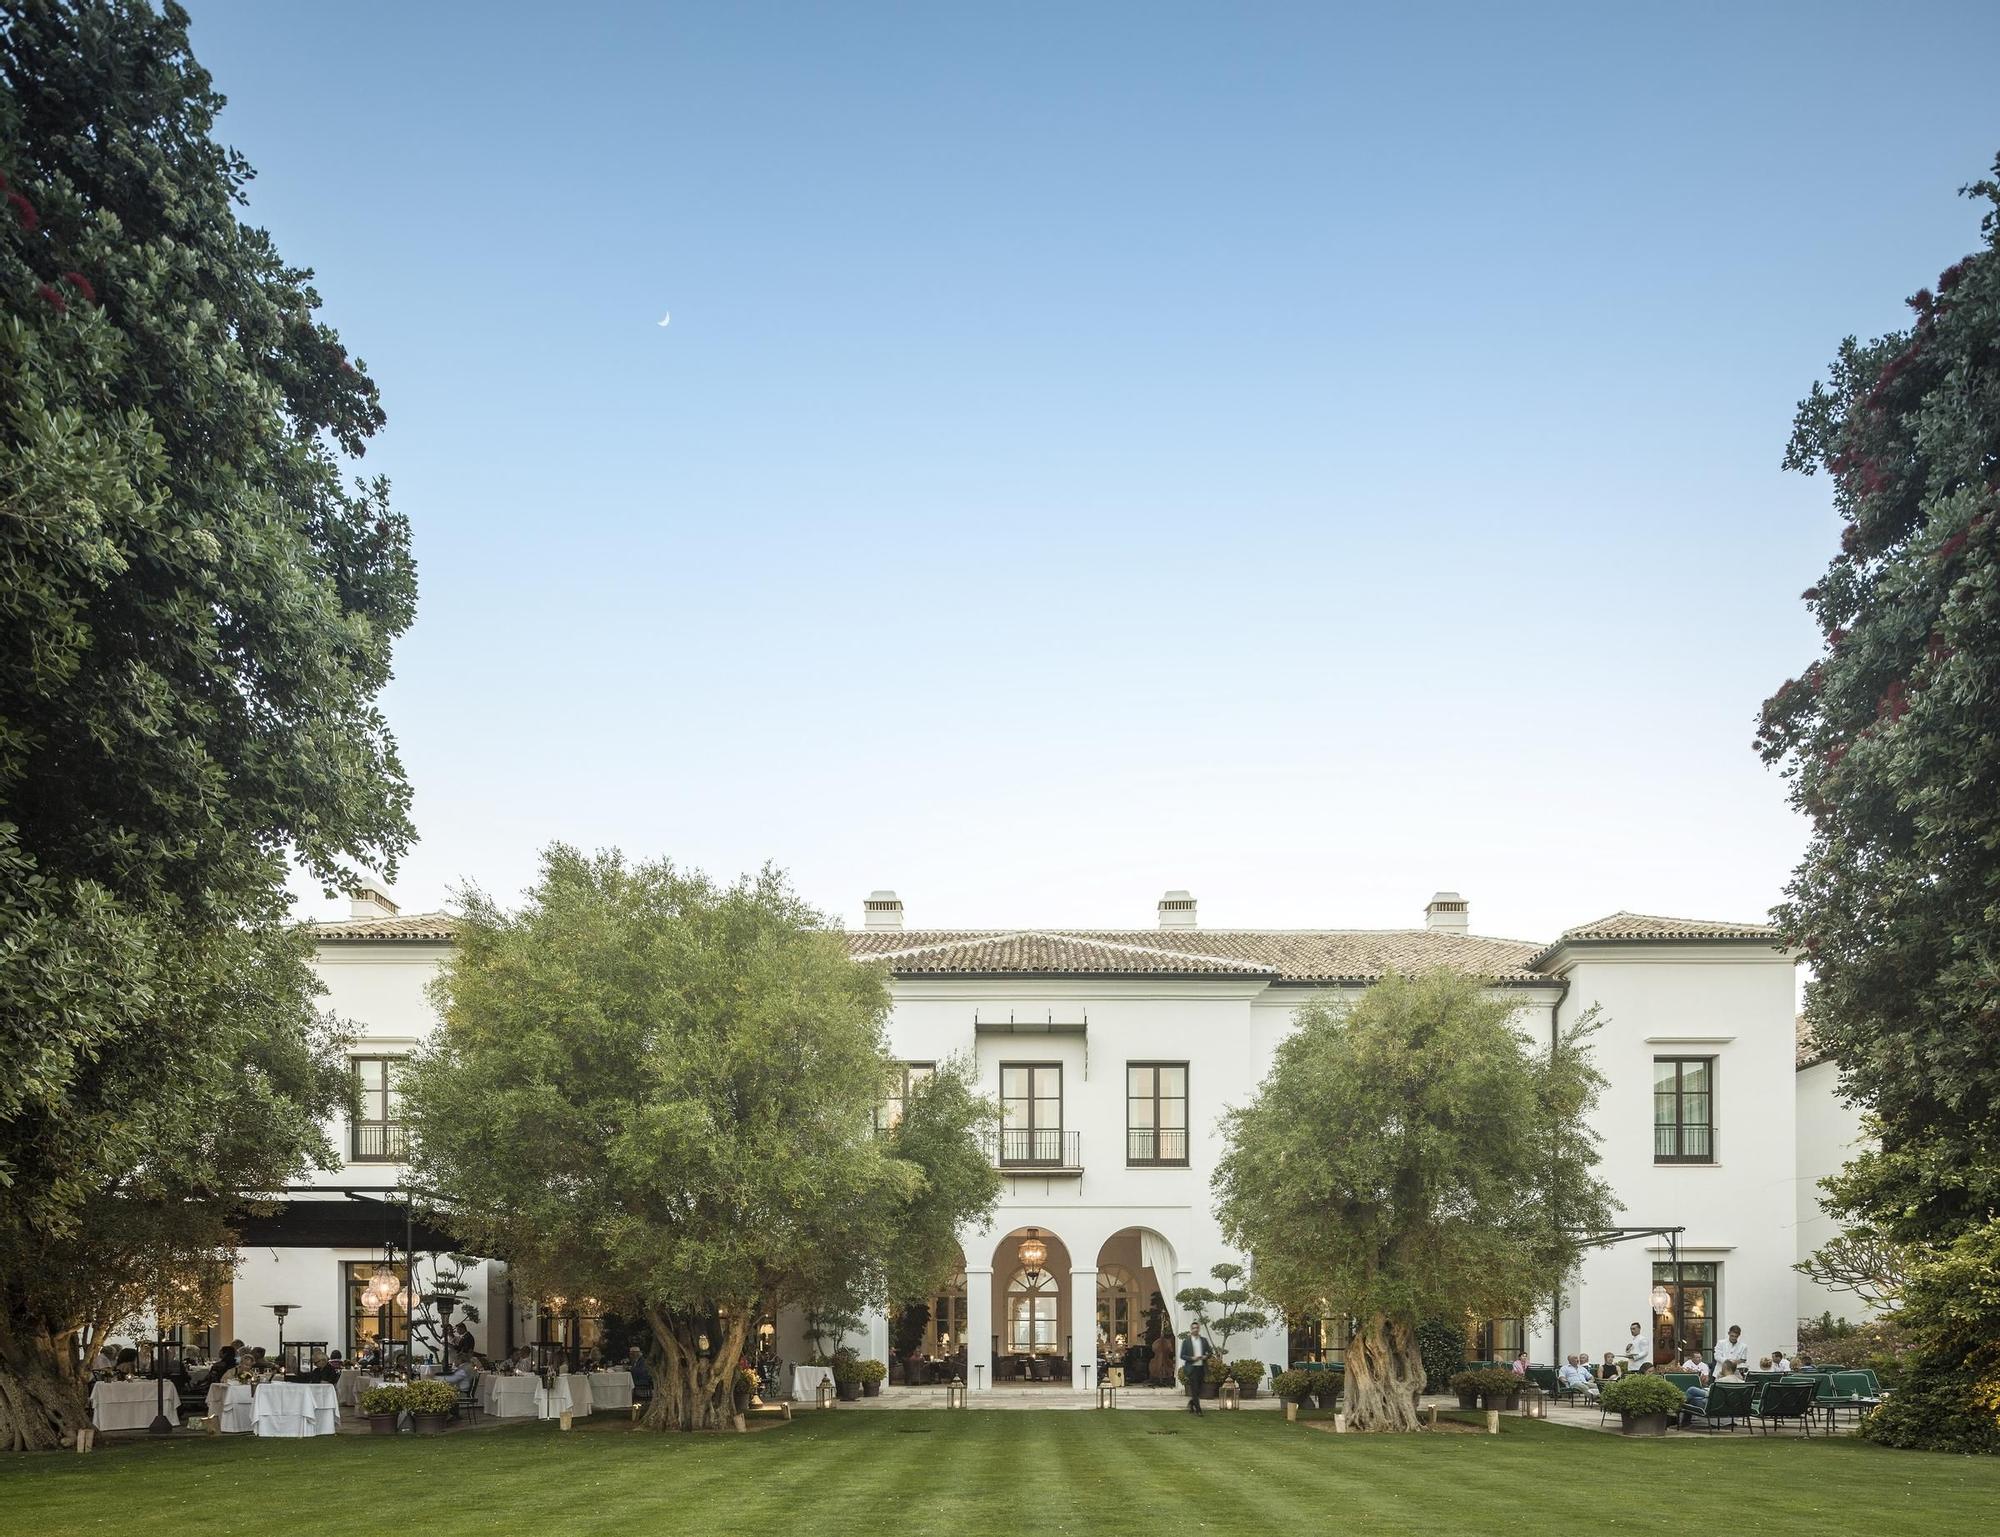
{"points": [[1448, 912], [1177, 910], [370, 899], [882, 910]]}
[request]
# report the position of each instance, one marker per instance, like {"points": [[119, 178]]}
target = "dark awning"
{"points": [[337, 1217]]}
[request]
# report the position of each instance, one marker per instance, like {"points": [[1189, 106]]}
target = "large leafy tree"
{"points": [[1411, 1156], [196, 615], [659, 1091], [1889, 741]]}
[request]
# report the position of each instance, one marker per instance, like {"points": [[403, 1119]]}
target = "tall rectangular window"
{"points": [[908, 1075], [1031, 1116], [1684, 1110], [388, 1326], [379, 1135], [1156, 1102]]}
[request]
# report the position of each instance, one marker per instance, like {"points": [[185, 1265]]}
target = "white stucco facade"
{"points": [[1830, 1133], [1087, 1009]]}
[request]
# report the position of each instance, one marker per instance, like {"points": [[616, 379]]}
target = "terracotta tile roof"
{"points": [[1316, 955], [1643, 927], [1806, 1051], [434, 928]]}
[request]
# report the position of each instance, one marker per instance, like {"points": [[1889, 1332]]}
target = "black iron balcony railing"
{"points": [[1037, 1147], [1156, 1145], [1683, 1144], [379, 1142]]}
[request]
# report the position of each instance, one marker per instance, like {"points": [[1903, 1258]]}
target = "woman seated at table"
{"points": [[1607, 1369]]}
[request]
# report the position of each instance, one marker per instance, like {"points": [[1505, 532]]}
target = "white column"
{"points": [[978, 1327], [1082, 1325], [875, 1324]]}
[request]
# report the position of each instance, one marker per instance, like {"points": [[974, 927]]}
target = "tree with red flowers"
{"points": [[196, 615], [1889, 741]]}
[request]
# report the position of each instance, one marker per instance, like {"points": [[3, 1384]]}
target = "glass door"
{"points": [[1031, 1129]]}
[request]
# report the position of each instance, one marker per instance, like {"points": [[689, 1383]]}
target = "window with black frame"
{"points": [[387, 1325], [1031, 1115], [1156, 1113], [378, 1133], [908, 1075], [1683, 1109], [1688, 1324]]}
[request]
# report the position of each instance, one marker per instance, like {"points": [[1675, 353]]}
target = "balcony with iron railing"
{"points": [[1683, 1144], [378, 1142], [1041, 1149], [1156, 1147]]}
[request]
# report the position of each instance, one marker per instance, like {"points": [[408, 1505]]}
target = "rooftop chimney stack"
{"points": [[1448, 913], [1177, 910], [883, 910], [370, 899]]}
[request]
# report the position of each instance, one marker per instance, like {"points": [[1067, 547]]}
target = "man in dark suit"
{"points": [[1194, 1356]]}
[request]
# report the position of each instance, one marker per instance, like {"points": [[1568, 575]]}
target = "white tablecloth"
{"points": [[233, 1401], [352, 1386], [806, 1381], [131, 1405], [570, 1395], [296, 1409], [510, 1398], [611, 1390]]}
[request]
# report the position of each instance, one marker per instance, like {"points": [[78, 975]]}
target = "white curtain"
{"points": [[1158, 1256]]}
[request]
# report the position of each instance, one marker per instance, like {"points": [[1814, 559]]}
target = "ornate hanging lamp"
{"points": [[1033, 1253]]}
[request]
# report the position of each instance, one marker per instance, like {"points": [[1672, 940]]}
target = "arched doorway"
{"points": [[1037, 1324], [1136, 1283]]}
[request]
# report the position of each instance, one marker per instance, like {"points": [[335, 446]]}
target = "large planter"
{"points": [[1509, 1403], [430, 1424], [847, 1392], [382, 1424], [1468, 1399], [871, 1390], [1644, 1424], [1246, 1389]]}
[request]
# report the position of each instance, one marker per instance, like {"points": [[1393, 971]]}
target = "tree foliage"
{"points": [[1224, 1310], [1889, 744], [658, 1091], [1412, 1156], [1888, 741], [196, 614]]}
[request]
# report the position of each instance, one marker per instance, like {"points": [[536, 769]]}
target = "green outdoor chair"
{"points": [[1728, 1403], [1853, 1391], [1543, 1377], [1791, 1399], [1682, 1380]]}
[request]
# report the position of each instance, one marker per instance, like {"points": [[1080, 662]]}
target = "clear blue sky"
{"points": [[1310, 458]]}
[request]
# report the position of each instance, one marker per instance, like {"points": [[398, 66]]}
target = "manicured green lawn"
{"points": [[998, 1472]]}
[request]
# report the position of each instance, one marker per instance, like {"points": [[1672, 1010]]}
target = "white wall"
{"points": [[377, 992], [1829, 1134], [1736, 1004]]}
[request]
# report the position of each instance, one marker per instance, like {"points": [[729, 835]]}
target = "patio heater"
{"points": [[281, 1309], [161, 1426]]}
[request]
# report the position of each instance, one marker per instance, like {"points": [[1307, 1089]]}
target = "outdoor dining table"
{"points": [[352, 1385], [231, 1403], [511, 1396], [570, 1395], [611, 1390], [806, 1381], [132, 1405], [296, 1409]]}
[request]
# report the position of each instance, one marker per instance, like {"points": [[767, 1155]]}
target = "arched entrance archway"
{"points": [[1136, 1282], [1038, 1326]]}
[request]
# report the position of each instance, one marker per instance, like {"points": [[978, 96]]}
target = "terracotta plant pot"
{"points": [[430, 1424], [382, 1424]]}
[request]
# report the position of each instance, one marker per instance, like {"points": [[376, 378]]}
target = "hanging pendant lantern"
{"points": [[1663, 1301], [1033, 1253]]}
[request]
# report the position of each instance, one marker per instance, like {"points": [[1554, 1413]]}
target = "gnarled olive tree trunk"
{"points": [[692, 1391], [41, 1401], [1385, 1373]]}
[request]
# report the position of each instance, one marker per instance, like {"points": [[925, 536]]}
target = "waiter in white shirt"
{"points": [[1733, 1349], [1637, 1351]]}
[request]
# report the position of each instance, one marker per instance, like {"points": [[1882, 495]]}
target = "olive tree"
{"points": [[1410, 1156], [659, 1091]]}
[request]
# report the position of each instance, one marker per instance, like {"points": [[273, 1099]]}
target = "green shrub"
{"points": [[1642, 1393], [430, 1398], [1442, 1346], [384, 1400], [846, 1368], [1487, 1382], [1291, 1385], [1248, 1373], [873, 1371]]}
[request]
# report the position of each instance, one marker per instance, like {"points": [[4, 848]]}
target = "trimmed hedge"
{"points": [[1642, 1393]]}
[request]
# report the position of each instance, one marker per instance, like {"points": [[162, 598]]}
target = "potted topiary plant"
{"points": [[430, 1405], [1466, 1386], [1325, 1386], [872, 1373], [1644, 1403], [846, 1376], [1247, 1374], [383, 1406], [1291, 1388], [1495, 1388]]}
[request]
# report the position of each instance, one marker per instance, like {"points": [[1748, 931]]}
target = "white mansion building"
{"points": [[1112, 1053]]}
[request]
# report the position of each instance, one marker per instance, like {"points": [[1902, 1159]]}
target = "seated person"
{"points": [[1697, 1396], [370, 1357], [105, 1362], [327, 1369], [1521, 1364], [257, 1363], [128, 1362], [1763, 1363], [1694, 1363], [1778, 1361], [642, 1374], [1575, 1376], [1608, 1371]]}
